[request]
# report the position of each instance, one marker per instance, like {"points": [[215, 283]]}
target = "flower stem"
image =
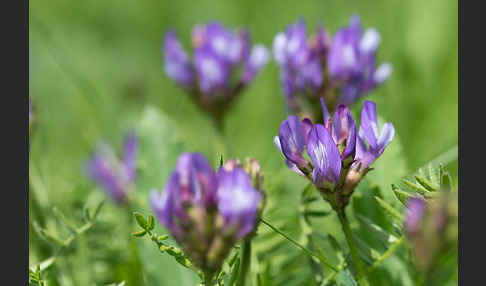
{"points": [[321, 259], [208, 278], [353, 247], [244, 262]]}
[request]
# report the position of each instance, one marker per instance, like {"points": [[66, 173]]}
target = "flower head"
{"points": [[341, 69], [207, 212], [115, 176], [223, 63], [337, 160]]}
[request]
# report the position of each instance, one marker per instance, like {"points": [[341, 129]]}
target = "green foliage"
{"points": [[96, 71], [147, 225]]}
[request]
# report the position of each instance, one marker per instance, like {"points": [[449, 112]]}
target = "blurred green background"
{"points": [[96, 66]]}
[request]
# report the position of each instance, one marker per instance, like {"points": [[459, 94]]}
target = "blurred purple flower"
{"points": [[351, 61], [319, 66], [195, 197], [114, 176], [414, 215], [299, 62], [218, 54], [177, 64], [238, 200]]}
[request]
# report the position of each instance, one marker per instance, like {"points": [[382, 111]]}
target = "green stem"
{"points": [[208, 278], [353, 247], [321, 259], [245, 261]]}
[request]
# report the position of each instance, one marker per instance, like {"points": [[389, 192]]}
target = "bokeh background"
{"points": [[96, 71]]}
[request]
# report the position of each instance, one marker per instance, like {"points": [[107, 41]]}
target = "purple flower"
{"points": [[370, 133], [342, 69], [238, 200], [344, 131], [177, 64], [218, 54], [328, 145], [292, 139], [300, 63], [204, 210], [343, 58], [115, 177], [258, 58], [351, 61], [414, 215], [324, 155]]}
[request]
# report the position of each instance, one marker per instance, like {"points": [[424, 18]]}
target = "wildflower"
{"points": [[341, 70], [223, 64], [114, 176], [207, 212], [337, 161]]}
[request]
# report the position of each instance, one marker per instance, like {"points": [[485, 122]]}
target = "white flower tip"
{"points": [[370, 41], [382, 73], [279, 44]]}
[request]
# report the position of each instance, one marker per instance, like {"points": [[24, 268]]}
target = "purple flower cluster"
{"points": [[340, 69], [223, 63], [339, 156], [207, 211], [114, 176]]}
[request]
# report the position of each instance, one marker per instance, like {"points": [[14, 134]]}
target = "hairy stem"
{"points": [[352, 246], [245, 261]]}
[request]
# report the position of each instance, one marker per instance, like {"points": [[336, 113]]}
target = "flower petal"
{"points": [[237, 200], [177, 65], [324, 155], [369, 123], [292, 140]]}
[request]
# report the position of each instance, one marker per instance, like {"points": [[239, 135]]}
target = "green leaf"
{"points": [[426, 183], [416, 187], [384, 236], [234, 272], [389, 210], [142, 222], [97, 210], [402, 196], [150, 223], [139, 233], [433, 175], [345, 278], [183, 261]]}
